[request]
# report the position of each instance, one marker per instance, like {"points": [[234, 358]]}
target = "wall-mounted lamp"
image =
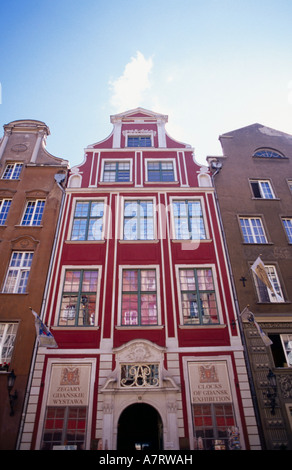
{"points": [[10, 384], [271, 395]]}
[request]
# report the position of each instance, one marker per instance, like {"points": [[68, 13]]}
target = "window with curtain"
{"points": [[198, 298], [139, 297]]}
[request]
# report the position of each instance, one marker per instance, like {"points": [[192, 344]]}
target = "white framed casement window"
{"points": [[287, 222], [188, 219], [7, 340], [12, 171], [252, 230], [33, 212], [4, 209], [264, 294], [138, 219], [88, 220], [139, 141], [139, 296], [139, 138], [262, 189], [198, 294], [162, 171], [18, 272], [116, 171], [78, 296]]}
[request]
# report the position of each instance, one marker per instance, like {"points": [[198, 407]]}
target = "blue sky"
{"points": [[213, 66]]}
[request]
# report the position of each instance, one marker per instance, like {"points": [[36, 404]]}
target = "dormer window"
{"points": [[139, 141]]}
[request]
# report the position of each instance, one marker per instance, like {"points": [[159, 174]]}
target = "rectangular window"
{"points": [[33, 212], [198, 299], [282, 349], [188, 220], [265, 294], [212, 423], [7, 339], [12, 171], [4, 208], [78, 302], [88, 220], [252, 230], [139, 141], [65, 426], [138, 220], [116, 172], [160, 171], [262, 189], [18, 272], [288, 228], [139, 297]]}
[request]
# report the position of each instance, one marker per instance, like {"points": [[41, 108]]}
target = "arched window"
{"points": [[268, 153]]}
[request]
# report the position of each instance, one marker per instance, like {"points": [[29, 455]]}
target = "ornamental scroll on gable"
{"points": [[139, 364]]}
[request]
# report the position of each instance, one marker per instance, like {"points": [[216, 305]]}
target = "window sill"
{"points": [[14, 293], [199, 327], [162, 182], [139, 241], [86, 242], [109, 183], [139, 327], [74, 328], [266, 199], [28, 226], [257, 244], [274, 303], [204, 240]]}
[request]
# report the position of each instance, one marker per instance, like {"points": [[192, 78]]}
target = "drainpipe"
{"points": [[35, 350], [247, 361]]}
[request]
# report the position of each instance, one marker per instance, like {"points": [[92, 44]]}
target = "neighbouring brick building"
{"points": [[30, 201], [254, 190]]}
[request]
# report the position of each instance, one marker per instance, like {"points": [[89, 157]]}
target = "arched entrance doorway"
{"points": [[140, 428]]}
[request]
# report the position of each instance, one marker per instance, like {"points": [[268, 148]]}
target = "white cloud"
{"points": [[129, 88]]}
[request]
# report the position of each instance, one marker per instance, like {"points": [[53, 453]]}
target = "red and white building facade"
{"points": [[140, 303]]}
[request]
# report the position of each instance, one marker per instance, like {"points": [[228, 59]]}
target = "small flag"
{"points": [[259, 269], [250, 317], [44, 336]]}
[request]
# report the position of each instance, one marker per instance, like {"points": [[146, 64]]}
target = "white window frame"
{"points": [[8, 332], [87, 199], [14, 166], [161, 160], [117, 160], [261, 184], [253, 233], [158, 296], [178, 267], [20, 270], [3, 211], [288, 230], [32, 217], [139, 133], [189, 199], [274, 279], [141, 199], [60, 294]]}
